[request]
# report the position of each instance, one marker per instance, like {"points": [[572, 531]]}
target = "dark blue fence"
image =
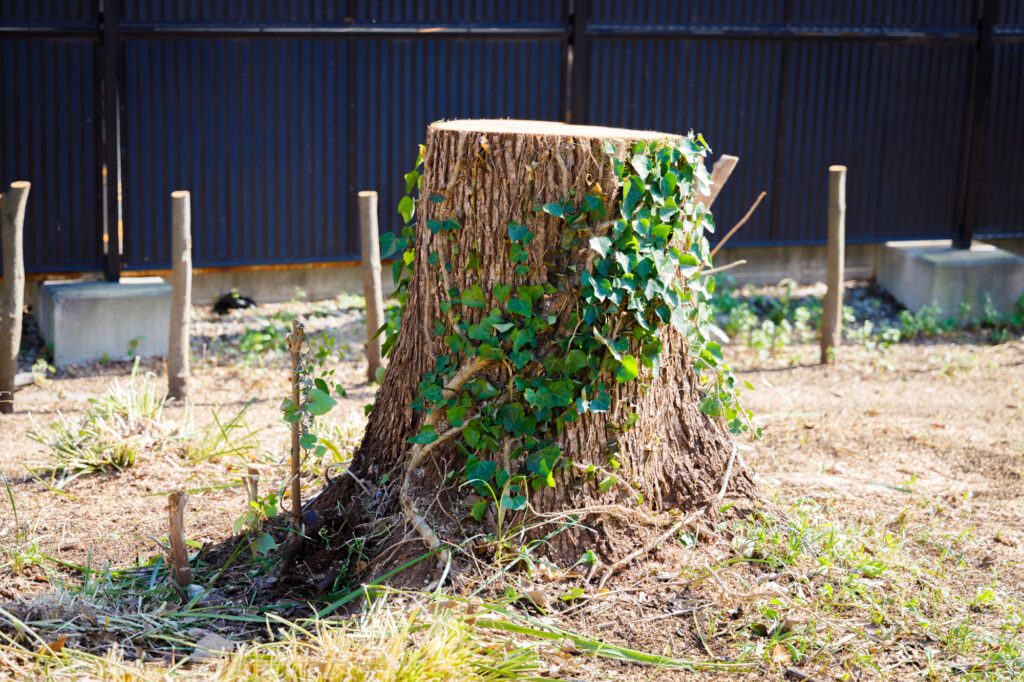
{"points": [[275, 113], [49, 129]]}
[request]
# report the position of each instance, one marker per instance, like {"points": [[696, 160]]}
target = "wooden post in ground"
{"points": [[181, 295], [179, 554], [371, 281], [295, 347], [832, 308], [12, 222]]}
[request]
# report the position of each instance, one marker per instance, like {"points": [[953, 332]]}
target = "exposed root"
{"points": [[725, 478], [644, 550], [419, 453]]}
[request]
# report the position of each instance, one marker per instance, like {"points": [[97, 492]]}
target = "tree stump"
{"points": [[502, 365]]}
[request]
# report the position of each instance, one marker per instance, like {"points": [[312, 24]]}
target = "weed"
{"points": [[22, 548], [257, 343], [109, 436]]}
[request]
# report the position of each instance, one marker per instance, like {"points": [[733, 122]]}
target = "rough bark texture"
{"points": [[12, 219], [493, 173]]}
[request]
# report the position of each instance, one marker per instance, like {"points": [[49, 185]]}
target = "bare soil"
{"points": [[873, 436]]}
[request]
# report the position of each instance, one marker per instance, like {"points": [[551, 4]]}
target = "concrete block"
{"points": [[281, 285], [86, 321], [921, 273], [806, 264]]}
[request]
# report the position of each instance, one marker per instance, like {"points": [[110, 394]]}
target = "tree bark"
{"points": [[181, 296], [491, 174], [12, 221]]}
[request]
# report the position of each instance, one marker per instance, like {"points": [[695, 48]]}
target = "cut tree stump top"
{"points": [[552, 128]]}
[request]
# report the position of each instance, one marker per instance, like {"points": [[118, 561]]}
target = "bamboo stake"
{"points": [[295, 346], [832, 307], [181, 295], [179, 554], [12, 223], [371, 281]]}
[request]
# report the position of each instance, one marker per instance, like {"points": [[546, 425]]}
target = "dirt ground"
{"points": [[875, 435]]}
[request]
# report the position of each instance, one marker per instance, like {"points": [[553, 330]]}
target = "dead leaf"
{"points": [[780, 654], [1009, 542], [569, 647], [211, 647], [52, 648], [539, 597]]}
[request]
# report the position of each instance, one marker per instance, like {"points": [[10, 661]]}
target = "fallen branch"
{"points": [[741, 223], [729, 266]]}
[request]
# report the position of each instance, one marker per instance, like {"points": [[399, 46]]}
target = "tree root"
{"points": [[418, 454], [644, 550]]}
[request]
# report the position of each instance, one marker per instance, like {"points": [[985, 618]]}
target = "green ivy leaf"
{"points": [[479, 509], [426, 436], [307, 441], [264, 544], [520, 307], [390, 245], [575, 361], [474, 297], [557, 210], [642, 165], [501, 292], [519, 233], [512, 503], [627, 370], [319, 402], [406, 208], [478, 474], [601, 245], [542, 463]]}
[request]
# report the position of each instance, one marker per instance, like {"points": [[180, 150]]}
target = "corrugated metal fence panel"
{"points": [[726, 90], [893, 114], [460, 12], [49, 12], [399, 94], [234, 12], [1011, 16], [1002, 198], [885, 15], [256, 130], [702, 13], [48, 137]]}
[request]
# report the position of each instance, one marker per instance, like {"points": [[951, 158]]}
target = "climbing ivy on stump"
{"points": [[553, 349]]}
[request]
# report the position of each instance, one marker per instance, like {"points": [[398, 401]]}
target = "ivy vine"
{"points": [[643, 270]]}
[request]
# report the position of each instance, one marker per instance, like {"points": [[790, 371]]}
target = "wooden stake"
{"points": [[832, 308], [371, 281], [12, 222], [179, 555], [720, 173], [181, 295], [252, 486], [295, 346]]}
